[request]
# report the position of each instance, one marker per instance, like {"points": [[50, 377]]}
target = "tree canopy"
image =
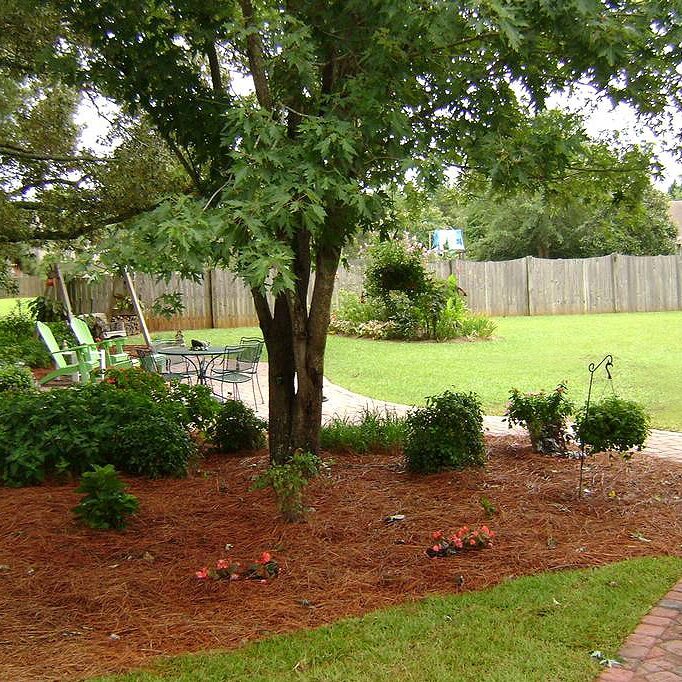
{"points": [[346, 98]]}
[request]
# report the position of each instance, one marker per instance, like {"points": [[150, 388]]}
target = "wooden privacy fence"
{"points": [[537, 286], [527, 286]]}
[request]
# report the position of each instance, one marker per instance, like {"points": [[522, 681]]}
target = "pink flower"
{"points": [[222, 564], [265, 557], [485, 529], [202, 574], [457, 543], [472, 542], [436, 548]]}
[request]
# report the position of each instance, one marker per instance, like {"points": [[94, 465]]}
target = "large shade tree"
{"points": [[346, 97]]}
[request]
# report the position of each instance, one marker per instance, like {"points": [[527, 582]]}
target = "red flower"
{"points": [[472, 542], [265, 557], [222, 563], [437, 535], [202, 574], [436, 548]]}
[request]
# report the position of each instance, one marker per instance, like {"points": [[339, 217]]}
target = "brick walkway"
{"points": [[653, 653]]}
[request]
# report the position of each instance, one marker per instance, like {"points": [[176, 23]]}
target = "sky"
{"points": [[599, 118]]}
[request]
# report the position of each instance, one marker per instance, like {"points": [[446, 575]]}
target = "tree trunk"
{"points": [[296, 338]]}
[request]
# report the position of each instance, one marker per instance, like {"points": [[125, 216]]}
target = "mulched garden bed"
{"points": [[77, 602]]}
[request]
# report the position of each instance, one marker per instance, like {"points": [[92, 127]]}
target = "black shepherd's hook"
{"points": [[607, 361]]}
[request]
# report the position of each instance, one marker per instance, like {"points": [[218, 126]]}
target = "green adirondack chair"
{"points": [[75, 361], [114, 354]]}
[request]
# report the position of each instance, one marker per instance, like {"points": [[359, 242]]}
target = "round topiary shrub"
{"points": [[238, 427], [446, 434]]}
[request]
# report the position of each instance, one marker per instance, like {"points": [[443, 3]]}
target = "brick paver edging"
{"points": [[653, 652]]}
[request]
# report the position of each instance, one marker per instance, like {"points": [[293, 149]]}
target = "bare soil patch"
{"points": [[65, 590]]}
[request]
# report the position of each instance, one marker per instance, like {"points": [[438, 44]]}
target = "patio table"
{"points": [[199, 359]]}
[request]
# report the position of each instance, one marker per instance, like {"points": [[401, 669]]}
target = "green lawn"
{"points": [[8, 304], [529, 353], [541, 628]]}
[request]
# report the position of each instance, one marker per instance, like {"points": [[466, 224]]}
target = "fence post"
{"points": [[528, 287], [208, 282], [614, 281]]}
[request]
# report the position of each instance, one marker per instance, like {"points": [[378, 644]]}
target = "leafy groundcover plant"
{"points": [[106, 504], [464, 539], [66, 431], [264, 568], [16, 378], [288, 481]]}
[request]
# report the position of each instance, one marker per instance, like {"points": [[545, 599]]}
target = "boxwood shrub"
{"points": [[446, 434]]}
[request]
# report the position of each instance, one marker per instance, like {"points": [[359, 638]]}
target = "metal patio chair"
{"points": [[239, 366]]}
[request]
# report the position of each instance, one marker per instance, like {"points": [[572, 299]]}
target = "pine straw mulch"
{"points": [[65, 590]]}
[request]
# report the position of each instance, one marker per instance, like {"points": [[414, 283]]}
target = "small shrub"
{"points": [[446, 434], [16, 378], [544, 415], [201, 408], [373, 432], [288, 481], [237, 427], [613, 424], [105, 504], [153, 445], [138, 379]]}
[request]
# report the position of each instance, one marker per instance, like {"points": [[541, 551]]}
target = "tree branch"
{"points": [[214, 64], [7, 149], [254, 49], [263, 311], [185, 162], [51, 181]]}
